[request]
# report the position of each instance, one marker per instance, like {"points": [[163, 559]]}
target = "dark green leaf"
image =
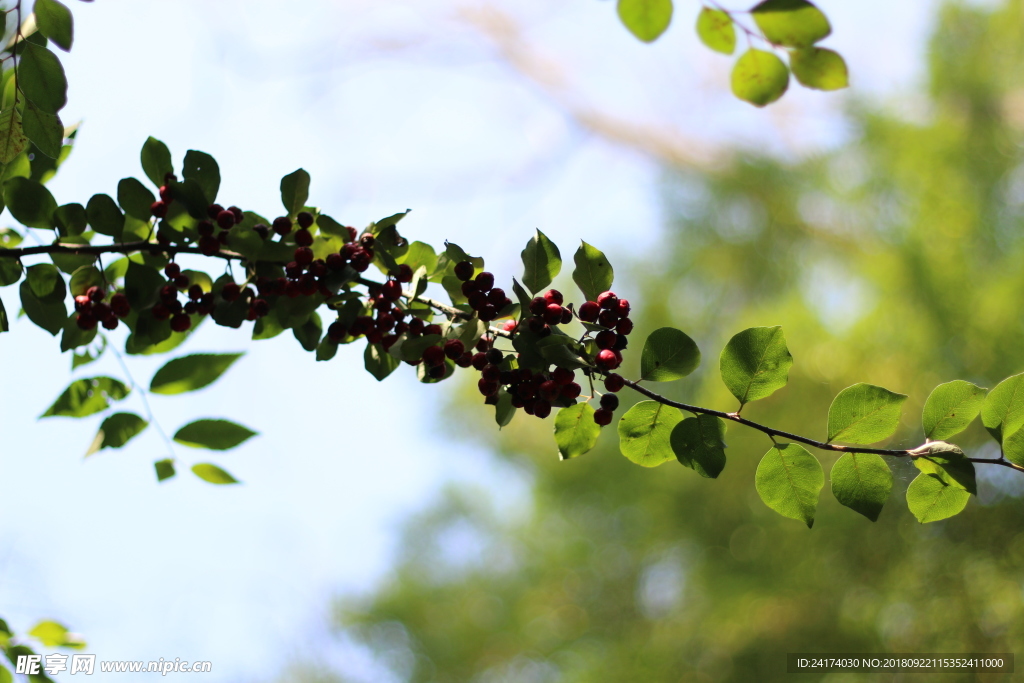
{"points": [[668, 355], [819, 68], [74, 336], [190, 373], [4, 324], [30, 203], [329, 226], [308, 333], [192, 196], [645, 433], [83, 278], [862, 482], [135, 198], [295, 191], [104, 216], [792, 23], [156, 161], [950, 408], [699, 442], [541, 261], [379, 362], [755, 363], [212, 474], [71, 219], [645, 19], [46, 282], [10, 271], [69, 263], [119, 429], [864, 414], [55, 22], [949, 460], [218, 435], [43, 129], [504, 411], [202, 168], [85, 397], [41, 78], [47, 314], [789, 479], [593, 274], [759, 77], [142, 285], [715, 29], [326, 349], [575, 430], [1002, 412], [13, 140], [164, 469]]}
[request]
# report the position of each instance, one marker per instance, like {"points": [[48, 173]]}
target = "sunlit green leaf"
{"points": [[30, 203], [120, 428], [789, 480], [792, 23], [218, 435], [41, 77], [44, 129], [156, 161], [936, 493], [295, 191], [85, 397], [49, 314], [759, 77], [863, 414], [1002, 412], [645, 19], [699, 443], [950, 408], [379, 362], [13, 140], [645, 433], [862, 482], [755, 363], [668, 354], [541, 262], [593, 274], [819, 68], [203, 169], [212, 474], [575, 430], [715, 29], [190, 373]]}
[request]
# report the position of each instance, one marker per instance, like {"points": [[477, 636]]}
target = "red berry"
{"points": [[589, 311], [237, 213], [119, 305], [549, 389], [607, 319], [172, 270], [318, 267], [204, 228], [161, 312], [195, 292], [351, 233], [622, 308], [391, 290], [465, 360], [566, 316], [606, 339], [95, 293], [606, 360], [553, 296], [213, 210], [82, 303], [432, 329], [469, 289], [496, 297], [168, 293], [494, 356], [541, 408], [170, 178], [607, 300], [479, 361], [166, 196], [510, 325], [85, 321], [404, 273], [553, 315], [485, 281], [571, 391], [282, 225], [563, 375], [453, 348], [433, 355], [110, 322], [303, 237], [488, 313], [609, 401], [487, 387], [614, 382], [464, 270], [490, 372], [603, 417], [209, 246], [335, 261], [181, 322], [158, 209], [624, 326], [336, 331], [225, 219], [303, 256], [538, 306], [477, 300], [305, 219], [366, 240], [100, 311]]}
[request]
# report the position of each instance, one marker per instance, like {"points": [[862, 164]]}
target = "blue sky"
{"points": [[389, 106]]}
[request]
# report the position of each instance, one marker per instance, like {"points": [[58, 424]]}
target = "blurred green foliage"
{"points": [[894, 259]]}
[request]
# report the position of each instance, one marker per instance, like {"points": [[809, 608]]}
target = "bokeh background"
{"points": [[389, 532]]}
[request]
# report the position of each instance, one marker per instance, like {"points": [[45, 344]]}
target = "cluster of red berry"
{"points": [[487, 300], [92, 311], [198, 303]]}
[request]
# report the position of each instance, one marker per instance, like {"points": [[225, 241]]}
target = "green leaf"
{"points": [[793, 23], [668, 355], [936, 493], [864, 414], [13, 140], [119, 428], [46, 282], [819, 68], [41, 78], [85, 397], [156, 161], [295, 191], [645, 433], [48, 314], [202, 168], [418, 254], [379, 362], [142, 285], [30, 203], [53, 634], [541, 262], [212, 474], [755, 363], [104, 216], [71, 219], [135, 198], [950, 408], [55, 22], [164, 469], [715, 29], [308, 333], [190, 373], [759, 77], [218, 435], [504, 411], [83, 278], [789, 479], [575, 430], [593, 274], [69, 263], [10, 271], [1002, 412], [645, 19], [4, 324], [74, 336], [44, 129], [699, 443], [948, 460], [862, 482]]}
